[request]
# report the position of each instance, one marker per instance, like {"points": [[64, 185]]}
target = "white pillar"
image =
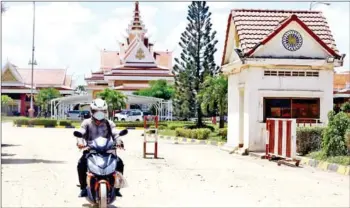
{"points": [[233, 112]]}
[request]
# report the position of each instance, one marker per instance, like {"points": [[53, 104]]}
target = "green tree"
{"points": [[115, 99], [346, 107], [214, 95], [197, 58], [334, 141], [44, 97], [5, 102], [159, 89]]}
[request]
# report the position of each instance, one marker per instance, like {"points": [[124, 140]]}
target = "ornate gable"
{"points": [[10, 74], [139, 55]]}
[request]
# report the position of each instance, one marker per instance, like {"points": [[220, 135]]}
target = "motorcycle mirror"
{"points": [[78, 134], [123, 132]]}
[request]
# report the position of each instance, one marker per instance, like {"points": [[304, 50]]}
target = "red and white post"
{"points": [[155, 141]]}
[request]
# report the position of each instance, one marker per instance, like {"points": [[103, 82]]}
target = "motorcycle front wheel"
{"points": [[103, 195]]}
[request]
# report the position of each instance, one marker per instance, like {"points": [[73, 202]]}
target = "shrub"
{"points": [[201, 134], [347, 139], [173, 126], [333, 143], [309, 139], [223, 133], [65, 123], [21, 121], [36, 121], [138, 124], [212, 129], [346, 107], [43, 122]]}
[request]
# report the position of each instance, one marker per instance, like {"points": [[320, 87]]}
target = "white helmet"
{"points": [[98, 109], [98, 105]]}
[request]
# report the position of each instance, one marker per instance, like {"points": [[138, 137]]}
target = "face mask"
{"points": [[99, 115]]}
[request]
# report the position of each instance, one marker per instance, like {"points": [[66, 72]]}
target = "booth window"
{"points": [[299, 108]]}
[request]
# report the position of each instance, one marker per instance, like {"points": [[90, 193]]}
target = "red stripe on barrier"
{"points": [[289, 139], [272, 136], [280, 135]]}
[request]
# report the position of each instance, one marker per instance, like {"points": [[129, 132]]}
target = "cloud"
{"points": [[58, 39], [340, 28], [72, 40]]}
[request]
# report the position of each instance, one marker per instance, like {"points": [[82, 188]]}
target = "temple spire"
{"points": [[136, 27]]}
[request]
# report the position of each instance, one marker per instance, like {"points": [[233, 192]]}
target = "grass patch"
{"points": [[214, 136], [319, 155], [167, 132], [8, 118]]}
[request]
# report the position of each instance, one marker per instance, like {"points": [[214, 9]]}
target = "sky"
{"points": [[71, 34]]}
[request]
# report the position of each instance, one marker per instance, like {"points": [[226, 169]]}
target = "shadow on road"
{"points": [[7, 155], [29, 161], [10, 145], [92, 206]]}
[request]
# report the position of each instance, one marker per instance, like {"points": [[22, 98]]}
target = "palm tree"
{"points": [[115, 99], [214, 94], [44, 96]]}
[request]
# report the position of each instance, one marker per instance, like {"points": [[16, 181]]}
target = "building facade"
{"points": [[341, 88], [280, 64], [16, 83], [134, 65]]}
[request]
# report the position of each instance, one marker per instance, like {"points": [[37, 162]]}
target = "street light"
{"points": [[32, 62], [313, 3]]}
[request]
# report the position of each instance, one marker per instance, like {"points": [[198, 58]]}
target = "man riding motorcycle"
{"points": [[91, 129]]}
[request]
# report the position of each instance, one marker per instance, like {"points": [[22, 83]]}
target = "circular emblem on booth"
{"points": [[292, 40]]}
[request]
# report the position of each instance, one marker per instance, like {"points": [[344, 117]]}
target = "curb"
{"points": [[188, 140], [325, 166]]}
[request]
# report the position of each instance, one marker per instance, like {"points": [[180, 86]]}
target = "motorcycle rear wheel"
{"points": [[103, 195]]}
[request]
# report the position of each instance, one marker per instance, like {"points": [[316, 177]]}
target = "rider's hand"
{"points": [[80, 146], [120, 144]]}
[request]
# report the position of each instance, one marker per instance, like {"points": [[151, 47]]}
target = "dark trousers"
{"points": [[82, 169]]}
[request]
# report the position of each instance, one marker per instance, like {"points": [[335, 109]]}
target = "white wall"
{"points": [[259, 86]]}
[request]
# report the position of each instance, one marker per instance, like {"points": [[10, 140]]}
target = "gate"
{"points": [[281, 140]]}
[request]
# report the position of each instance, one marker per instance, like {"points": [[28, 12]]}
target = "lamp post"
{"points": [[313, 3], [32, 62]]}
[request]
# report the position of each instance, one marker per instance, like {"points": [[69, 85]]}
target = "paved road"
{"points": [[39, 170]]}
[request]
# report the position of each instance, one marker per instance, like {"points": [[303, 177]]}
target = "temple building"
{"points": [[280, 64], [134, 65], [16, 83]]}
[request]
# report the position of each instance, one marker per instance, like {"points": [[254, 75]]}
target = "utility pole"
{"points": [[32, 62]]}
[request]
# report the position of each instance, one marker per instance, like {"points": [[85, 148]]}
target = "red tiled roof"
{"points": [[140, 74], [43, 76], [94, 78], [253, 25], [14, 87], [140, 68]]}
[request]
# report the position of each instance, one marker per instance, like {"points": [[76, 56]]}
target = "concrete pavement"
{"points": [[39, 170]]}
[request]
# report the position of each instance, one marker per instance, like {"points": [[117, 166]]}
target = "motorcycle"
{"points": [[101, 175]]}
